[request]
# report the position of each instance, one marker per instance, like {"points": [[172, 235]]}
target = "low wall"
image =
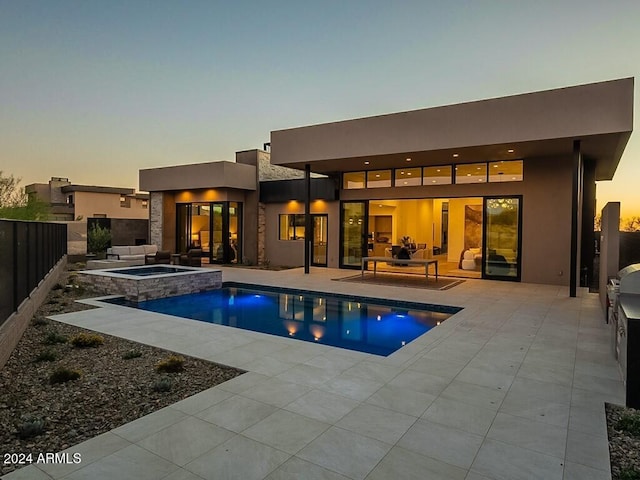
{"points": [[12, 329], [141, 288]]}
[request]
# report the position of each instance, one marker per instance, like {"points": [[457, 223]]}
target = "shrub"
{"points": [[162, 385], [54, 337], [62, 375], [172, 364], [57, 286], [30, 427], [47, 355], [40, 321], [98, 239], [629, 474], [131, 354], [86, 340], [629, 423]]}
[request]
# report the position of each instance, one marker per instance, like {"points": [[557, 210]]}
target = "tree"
{"points": [[16, 204], [631, 224], [10, 194]]}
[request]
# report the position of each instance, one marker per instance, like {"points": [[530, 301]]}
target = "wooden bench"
{"points": [[400, 261]]}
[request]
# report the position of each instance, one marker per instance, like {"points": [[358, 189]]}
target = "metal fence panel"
{"points": [[28, 250]]}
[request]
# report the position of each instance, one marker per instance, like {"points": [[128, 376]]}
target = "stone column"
{"points": [[156, 213]]}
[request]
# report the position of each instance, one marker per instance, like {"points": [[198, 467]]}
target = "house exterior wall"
{"points": [[291, 252], [92, 204]]}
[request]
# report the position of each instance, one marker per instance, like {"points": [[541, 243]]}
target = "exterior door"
{"points": [[502, 238], [353, 233], [319, 236]]}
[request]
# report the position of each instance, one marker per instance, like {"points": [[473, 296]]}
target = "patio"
{"points": [[512, 387]]}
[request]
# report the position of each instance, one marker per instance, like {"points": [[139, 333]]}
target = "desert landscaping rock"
{"points": [[110, 392]]}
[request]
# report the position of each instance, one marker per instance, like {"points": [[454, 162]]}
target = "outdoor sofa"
{"points": [[135, 253]]}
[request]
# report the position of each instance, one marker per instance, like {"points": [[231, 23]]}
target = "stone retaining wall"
{"points": [[140, 289]]}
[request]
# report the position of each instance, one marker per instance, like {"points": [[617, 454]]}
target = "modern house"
{"points": [[123, 210], [503, 187], [71, 202]]}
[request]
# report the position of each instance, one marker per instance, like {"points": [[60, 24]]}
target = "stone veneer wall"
{"points": [[12, 329], [148, 288], [262, 232], [155, 219]]}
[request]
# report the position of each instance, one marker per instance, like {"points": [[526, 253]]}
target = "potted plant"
{"points": [[98, 240]]}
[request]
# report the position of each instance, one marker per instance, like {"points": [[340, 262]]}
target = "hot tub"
{"points": [[148, 282]]}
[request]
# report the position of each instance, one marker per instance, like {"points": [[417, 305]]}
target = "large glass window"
{"points": [[354, 224], [471, 173], [291, 227], [501, 256], [351, 180], [406, 177], [440, 175], [378, 178], [505, 171]]}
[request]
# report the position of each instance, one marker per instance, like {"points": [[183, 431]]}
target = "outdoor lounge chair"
{"points": [[193, 258], [161, 257]]}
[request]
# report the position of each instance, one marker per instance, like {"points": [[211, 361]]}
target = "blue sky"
{"points": [[96, 90]]}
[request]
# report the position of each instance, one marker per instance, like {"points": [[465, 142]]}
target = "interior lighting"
{"points": [[406, 183], [433, 181], [455, 155], [401, 172], [366, 163], [408, 173], [510, 150], [408, 159], [468, 174], [377, 175], [495, 166]]}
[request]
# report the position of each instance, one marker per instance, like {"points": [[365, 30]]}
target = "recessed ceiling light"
{"points": [[513, 178], [468, 174], [406, 183], [495, 166], [377, 175], [479, 179], [433, 181], [366, 163], [401, 173], [408, 173], [439, 170], [380, 205], [510, 150], [408, 159], [478, 168], [455, 155]]}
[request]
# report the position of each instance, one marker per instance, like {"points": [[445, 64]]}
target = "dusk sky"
{"points": [[95, 91]]}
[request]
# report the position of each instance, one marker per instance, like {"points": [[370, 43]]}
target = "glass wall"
{"points": [[216, 228], [354, 227], [502, 238]]}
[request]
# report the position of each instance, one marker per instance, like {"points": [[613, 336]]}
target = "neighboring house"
{"points": [[69, 202], [75, 204], [504, 186]]}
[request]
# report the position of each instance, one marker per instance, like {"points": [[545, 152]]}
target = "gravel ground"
{"points": [[111, 390], [624, 447]]}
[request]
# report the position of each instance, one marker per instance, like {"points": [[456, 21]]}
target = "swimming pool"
{"points": [[355, 323]]}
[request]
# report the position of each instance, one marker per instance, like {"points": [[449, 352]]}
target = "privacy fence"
{"points": [[28, 250]]}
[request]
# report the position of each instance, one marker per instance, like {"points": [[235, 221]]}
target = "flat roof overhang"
{"points": [[209, 175], [539, 124]]}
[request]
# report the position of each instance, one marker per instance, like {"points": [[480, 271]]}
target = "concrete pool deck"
{"points": [[512, 387]]}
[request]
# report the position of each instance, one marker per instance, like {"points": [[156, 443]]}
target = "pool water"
{"points": [[336, 320]]}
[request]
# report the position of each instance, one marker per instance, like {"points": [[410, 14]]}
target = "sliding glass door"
{"points": [[502, 238], [216, 228], [353, 242]]}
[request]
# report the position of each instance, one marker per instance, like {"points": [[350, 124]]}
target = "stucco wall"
{"points": [[92, 204], [291, 252]]}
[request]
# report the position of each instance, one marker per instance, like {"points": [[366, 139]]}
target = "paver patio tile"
{"points": [[296, 469], [201, 401], [239, 457], [377, 422], [501, 461], [149, 424], [324, 406], [589, 450], [469, 418], [529, 434], [353, 387], [404, 464], [276, 392], [236, 413], [345, 452], [402, 400], [443, 443], [186, 440], [286, 431]]}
